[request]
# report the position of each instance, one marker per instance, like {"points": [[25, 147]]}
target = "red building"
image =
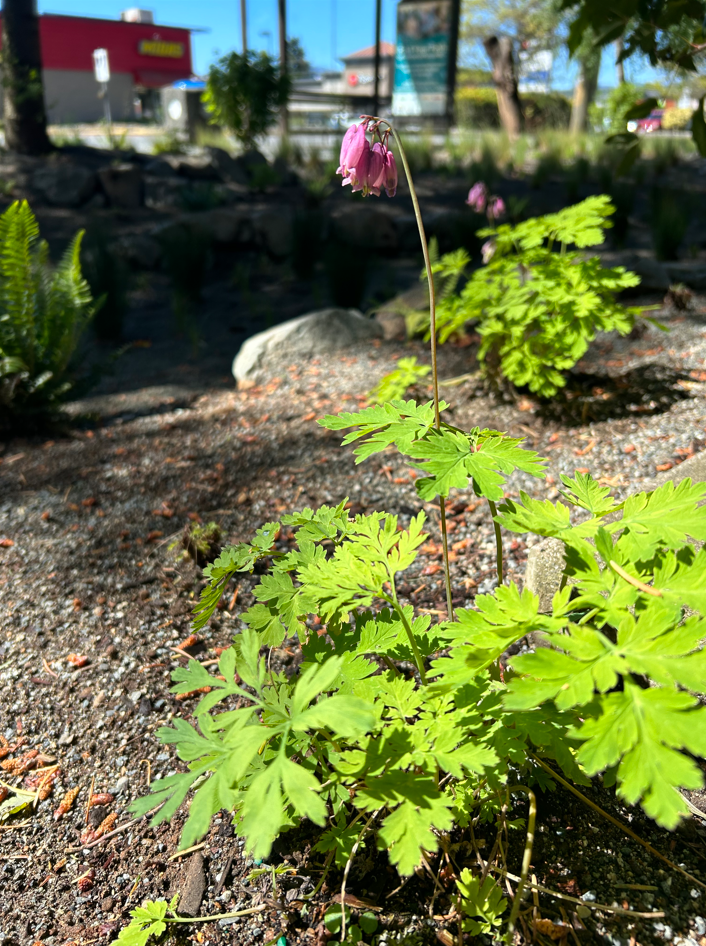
{"points": [[143, 58]]}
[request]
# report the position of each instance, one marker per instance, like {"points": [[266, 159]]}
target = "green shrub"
{"points": [[537, 304], [478, 108], [355, 745], [169, 143], [244, 93], [610, 115], [394, 385], [43, 314]]}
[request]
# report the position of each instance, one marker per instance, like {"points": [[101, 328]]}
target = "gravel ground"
{"points": [[87, 568]]}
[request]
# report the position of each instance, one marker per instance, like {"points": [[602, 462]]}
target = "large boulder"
{"points": [[366, 227], [690, 272], [275, 230], [392, 316], [300, 339], [122, 185], [139, 250], [64, 184]]}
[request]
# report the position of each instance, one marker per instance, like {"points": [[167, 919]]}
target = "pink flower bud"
{"points": [[478, 197], [496, 207], [390, 172], [376, 172], [487, 251]]}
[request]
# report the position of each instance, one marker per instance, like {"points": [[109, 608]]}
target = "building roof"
{"points": [[386, 49]]}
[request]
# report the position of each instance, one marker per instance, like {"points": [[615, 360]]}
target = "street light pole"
{"points": [[376, 92], [282, 6], [244, 25]]}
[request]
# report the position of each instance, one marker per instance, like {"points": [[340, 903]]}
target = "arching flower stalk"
{"points": [[370, 166]]}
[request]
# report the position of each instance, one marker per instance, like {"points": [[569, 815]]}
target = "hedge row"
{"points": [[478, 108]]}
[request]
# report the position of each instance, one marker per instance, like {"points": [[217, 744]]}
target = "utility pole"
{"points": [[244, 25], [282, 5], [376, 87]]}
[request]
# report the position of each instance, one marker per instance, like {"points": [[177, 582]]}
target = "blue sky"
{"points": [[326, 28]]}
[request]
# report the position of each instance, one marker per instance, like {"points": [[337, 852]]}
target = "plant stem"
{"points": [[498, 542], [434, 369], [526, 857], [217, 916], [410, 636], [618, 824]]}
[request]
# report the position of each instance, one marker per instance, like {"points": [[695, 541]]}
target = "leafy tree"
{"points": [[668, 32], [25, 116], [297, 63], [244, 93]]}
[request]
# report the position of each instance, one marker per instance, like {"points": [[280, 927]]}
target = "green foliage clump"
{"points": [[478, 108], [395, 384], [244, 94], [43, 313], [356, 743], [610, 114], [537, 304]]}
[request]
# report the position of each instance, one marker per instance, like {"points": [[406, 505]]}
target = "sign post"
{"points": [[101, 69], [425, 58]]}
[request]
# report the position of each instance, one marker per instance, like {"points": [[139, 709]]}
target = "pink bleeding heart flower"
{"points": [[477, 197], [353, 145], [496, 207], [390, 172], [358, 174]]}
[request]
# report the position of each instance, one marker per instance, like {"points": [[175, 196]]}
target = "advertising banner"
{"points": [[424, 34]]}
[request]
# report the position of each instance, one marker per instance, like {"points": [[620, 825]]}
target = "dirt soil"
{"points": [[95, 596]]}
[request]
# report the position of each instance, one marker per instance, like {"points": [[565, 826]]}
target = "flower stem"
{"points": [[526, 858], [498, 542], [434, 370]]}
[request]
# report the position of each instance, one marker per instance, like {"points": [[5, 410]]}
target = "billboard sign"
{"points": [[424, 38]]}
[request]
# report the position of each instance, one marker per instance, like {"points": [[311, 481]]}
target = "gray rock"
{"points": [[275, 230], [64, 184], [229, 168], [545, 567], [164, 193], [197, 167], [690, 272], [393, 314], [139, 250], [162, 166], [122, 185], [310, 335], [365, 226], [653, 274]]}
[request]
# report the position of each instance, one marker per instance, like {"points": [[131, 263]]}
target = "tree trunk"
{"points": [[619, 64], [25, 116], [585, 92], [499, 50]]}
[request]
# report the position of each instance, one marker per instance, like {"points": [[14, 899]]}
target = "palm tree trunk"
{"points": [[499, 50], [25, 116]]}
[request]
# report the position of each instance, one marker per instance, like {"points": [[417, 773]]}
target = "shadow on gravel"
{"points": [[653, 389]]}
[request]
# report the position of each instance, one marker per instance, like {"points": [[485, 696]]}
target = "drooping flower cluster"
{"points": [[481, 200], [367, 168]]}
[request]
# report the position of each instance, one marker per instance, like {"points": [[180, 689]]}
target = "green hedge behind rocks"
{"points": [[478, 108]]}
